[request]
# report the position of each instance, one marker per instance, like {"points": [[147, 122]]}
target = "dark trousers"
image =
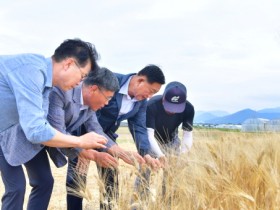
{"points": [[107, 175], [40, 179], [111, 183], [73, 181]]}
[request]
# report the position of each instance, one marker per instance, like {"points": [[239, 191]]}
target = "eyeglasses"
{"points": [[108, 98], [83, 76]]}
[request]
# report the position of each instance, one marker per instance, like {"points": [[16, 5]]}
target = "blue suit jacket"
{"points": [[110, 122], [25, 83], [18, 150], [65, 115]]}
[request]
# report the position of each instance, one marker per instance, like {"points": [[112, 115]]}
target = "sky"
{"points": [[226, 52]]}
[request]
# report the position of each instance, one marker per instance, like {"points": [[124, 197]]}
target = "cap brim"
{"points": [[174, 108]]}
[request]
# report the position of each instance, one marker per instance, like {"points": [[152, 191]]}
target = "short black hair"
{"points": [[103, 78], [153, 74], [80, 50]]}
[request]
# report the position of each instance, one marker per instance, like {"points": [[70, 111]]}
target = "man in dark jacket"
{"points": [[130, 104]]}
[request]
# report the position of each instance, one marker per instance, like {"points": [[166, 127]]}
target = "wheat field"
{"points": [[223, 170]]}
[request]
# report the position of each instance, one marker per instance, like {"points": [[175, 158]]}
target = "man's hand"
{"points": [[106, 160], [131, 157], [92, 140], [127, 156], [163, 161], [82, 166], [152, 162], [103, 159]]}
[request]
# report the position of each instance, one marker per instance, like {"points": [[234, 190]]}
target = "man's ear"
{"points": [[94, 88], [67, 62], [141, 79]]}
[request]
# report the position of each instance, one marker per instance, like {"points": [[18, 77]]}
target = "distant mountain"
{"points": [[270, 110], [269, 116], [236, 118], [240, 116], [202, 116], [219, 113]]}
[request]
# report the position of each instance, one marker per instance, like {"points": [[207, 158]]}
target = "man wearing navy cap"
{"points": [[164, 114]]}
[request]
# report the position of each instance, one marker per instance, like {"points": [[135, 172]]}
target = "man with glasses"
{"points": [[130, 103], [25, 83], [69, 110]]}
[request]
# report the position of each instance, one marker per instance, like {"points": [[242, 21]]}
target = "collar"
{"points": [[124, 90], [83, 106]]}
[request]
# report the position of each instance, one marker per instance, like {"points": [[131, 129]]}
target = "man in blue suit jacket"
{"points": [[25, 83], [69, 110], [130, 103]]}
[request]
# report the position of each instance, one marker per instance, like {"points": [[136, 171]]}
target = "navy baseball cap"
{"points": [[174, 97]]}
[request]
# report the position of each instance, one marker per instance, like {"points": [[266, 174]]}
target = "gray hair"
{"points": [[103, 78]]}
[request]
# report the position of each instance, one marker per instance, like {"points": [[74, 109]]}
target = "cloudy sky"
{"points": [[227, 53]]}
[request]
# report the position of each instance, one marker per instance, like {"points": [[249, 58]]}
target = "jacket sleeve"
{"points": [[29, 96], [92, 124], [56, 114], [56, 117], [138, 130]]}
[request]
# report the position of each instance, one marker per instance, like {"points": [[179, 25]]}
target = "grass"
{"points": [[224, 170]]}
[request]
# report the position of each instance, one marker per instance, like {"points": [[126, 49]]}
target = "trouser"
{"points": [[74, 180], [109, 177], [40, 179], [111, 185]]}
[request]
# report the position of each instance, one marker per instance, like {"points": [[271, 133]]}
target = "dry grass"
{"points": [[224, 170]]}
